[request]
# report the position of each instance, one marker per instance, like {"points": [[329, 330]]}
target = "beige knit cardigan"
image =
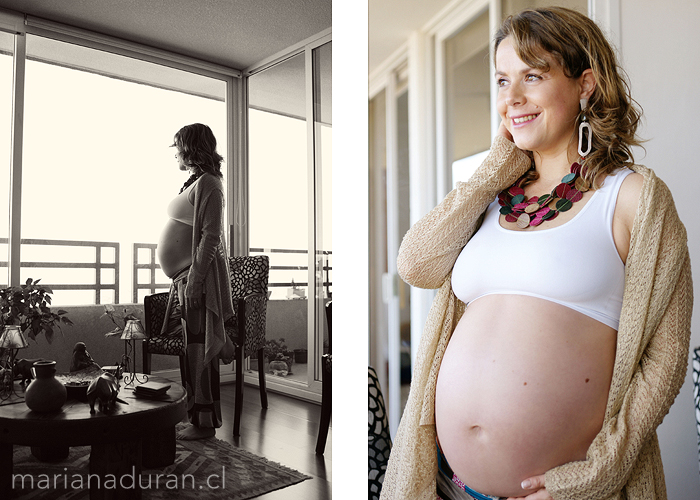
{"points": [[209, 274], [624, 461]]}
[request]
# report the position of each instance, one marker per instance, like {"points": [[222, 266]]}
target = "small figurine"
{"points": [[81, 358], [23, 367], [115, 370], [104, 388]]}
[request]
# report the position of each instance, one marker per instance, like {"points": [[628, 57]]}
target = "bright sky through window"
{"points": [[98, 166]]}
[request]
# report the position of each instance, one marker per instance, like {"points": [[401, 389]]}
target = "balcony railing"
{"points": [[276, 270], [296, 275], [97, 264], [151, 266], [289, 269]]}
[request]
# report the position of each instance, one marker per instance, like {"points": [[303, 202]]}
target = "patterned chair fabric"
{"points": [[379, 439], [696, 391], [249, 277], [171, 344]]}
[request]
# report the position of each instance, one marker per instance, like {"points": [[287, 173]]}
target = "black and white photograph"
{"points": [[166, 259]]}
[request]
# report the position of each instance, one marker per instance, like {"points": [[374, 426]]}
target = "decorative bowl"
{"points": [[76, 383]]}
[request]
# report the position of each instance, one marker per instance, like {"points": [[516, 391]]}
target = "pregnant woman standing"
{"points": [[558, 338], [191, 252]]}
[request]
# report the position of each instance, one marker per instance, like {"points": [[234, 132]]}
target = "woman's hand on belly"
{"points": [[535, 483]]}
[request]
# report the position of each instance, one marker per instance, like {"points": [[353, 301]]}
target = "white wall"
{"points": [[660, 42]]}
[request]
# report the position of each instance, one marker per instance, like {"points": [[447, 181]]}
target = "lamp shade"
{"points": [[12, 338], [134, 330]]}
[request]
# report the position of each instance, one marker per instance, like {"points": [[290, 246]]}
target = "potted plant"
{"points": [[296, 292], [276, 349], [28, 306], [301, 356]]}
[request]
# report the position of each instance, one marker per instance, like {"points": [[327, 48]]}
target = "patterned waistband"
{"points": [[181, 274], [450, 487]]}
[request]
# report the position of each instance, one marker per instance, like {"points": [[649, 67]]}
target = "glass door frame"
{"points": [[453, 25], [394, 82], [315, 310]]}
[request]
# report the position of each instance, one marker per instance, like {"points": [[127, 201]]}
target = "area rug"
{"points": [[208, 468]]}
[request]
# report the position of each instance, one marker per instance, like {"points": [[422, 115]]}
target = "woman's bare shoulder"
{"points": [[628, 198]]}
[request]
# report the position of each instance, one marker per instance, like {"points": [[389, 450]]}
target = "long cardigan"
{"points": [[208, 274], [624, 460]]}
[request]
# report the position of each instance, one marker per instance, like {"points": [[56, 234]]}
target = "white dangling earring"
{"points": [[581, 132]]}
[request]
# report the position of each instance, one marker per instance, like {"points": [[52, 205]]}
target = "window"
{"points": [[98, 172], [290, 135], [323, 141], [6, 71], [468, 110]]}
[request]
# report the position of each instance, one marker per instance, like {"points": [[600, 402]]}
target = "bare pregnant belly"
{"points": [[522, 388], [175, 247]]}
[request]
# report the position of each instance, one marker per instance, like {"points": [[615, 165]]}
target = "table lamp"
{"points": [[12, 340], [133, 331]]}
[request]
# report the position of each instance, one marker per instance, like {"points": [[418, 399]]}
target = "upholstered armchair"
{"points": [[249, 278], [170, 344], [246, 329], [379, 439], [696, 391]]}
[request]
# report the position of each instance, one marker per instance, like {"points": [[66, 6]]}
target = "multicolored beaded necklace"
{"points": [[534, 211]]}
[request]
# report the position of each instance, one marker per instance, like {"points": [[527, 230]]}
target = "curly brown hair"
{"points": [[577, 44], [197, 145]]}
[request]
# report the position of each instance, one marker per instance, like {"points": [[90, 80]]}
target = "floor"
{"points": [[285, 433]]}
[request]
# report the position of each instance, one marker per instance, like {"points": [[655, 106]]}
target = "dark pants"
{"points": [[201, 381]]}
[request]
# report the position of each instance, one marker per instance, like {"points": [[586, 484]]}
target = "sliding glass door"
{"points": [[289, 141]]}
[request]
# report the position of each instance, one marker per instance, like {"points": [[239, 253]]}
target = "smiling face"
{"points": [[538, 107]]}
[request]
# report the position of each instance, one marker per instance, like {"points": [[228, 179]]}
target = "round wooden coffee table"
{"points": [[122, 440]]}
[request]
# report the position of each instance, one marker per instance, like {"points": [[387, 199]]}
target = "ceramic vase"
{"points": [[45, 393]]}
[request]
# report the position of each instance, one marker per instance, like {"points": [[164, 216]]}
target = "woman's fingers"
{"points": [[541, 494], [533, 483]]}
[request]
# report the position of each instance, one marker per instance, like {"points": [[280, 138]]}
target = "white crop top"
{"points": [[575, 264], [181, 209]]}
